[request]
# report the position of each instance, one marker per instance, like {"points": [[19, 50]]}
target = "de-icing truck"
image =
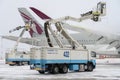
{"points": [[17, 58], [59, 60]]}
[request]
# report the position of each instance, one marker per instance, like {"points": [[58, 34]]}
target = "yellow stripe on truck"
{"points": [[38, 69]]}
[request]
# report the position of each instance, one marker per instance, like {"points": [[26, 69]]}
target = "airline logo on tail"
{"points": [[40, 14], [35, 28]]}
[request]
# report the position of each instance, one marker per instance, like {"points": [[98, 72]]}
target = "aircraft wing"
{"points": [[30, 41], [101, 38]]}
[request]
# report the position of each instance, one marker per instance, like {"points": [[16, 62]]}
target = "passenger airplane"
{"points": [[85, 37]]}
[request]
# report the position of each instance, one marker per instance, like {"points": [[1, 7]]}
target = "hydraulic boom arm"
{"points": [[25, 28], [93, 14]]}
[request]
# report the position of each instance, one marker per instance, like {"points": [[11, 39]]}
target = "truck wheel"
{"points": [[11, 64], [89, 67], [28, 63], [41, 72], [64, 69], [20, 63], [55, 70]]}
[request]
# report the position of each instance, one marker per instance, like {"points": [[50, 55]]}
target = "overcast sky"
{"points": [[10, 17]]}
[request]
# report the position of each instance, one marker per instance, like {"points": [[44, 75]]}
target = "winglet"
{"points": [[39, 13]]}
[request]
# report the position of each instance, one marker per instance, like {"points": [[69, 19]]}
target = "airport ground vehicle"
{"points": [[59, 60], [17, 58]]}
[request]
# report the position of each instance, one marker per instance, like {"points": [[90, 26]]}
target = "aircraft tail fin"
{"points": [[40, 14], [26, 16]]}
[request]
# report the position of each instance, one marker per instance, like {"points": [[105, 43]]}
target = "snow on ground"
{"points": [[108, 61], [104, 72]]}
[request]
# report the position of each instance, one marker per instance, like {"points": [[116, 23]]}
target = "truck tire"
{"points": [[11, 64], [28, 63], [55, 70], [90, 67], [64, 69], [41, 72], [20, 64]]}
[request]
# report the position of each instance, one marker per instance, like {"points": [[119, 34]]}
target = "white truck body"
{"points": [[17, 58], [42, 58]]}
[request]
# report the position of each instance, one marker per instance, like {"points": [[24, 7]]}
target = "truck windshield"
{"points": [[93, 54]]}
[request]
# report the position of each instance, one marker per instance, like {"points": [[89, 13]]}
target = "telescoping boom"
{"points": [[58, 60], [93, 15]]}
